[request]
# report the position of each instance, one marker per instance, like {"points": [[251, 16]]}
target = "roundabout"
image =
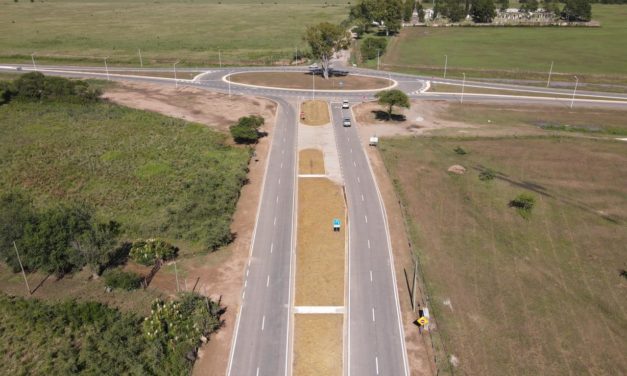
{"points": [[305, 81]]}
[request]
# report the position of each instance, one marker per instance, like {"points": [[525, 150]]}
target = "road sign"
{"points": [[423, 321]]}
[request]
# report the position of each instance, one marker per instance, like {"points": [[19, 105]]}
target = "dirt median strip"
{"points": [[318, 344], [320, 250], [315, 113], [310, 161]]}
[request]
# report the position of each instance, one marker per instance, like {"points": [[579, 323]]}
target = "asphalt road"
{"points": [[261, 343], [262, 338]]}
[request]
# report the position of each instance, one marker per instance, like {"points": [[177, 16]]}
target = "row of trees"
{"points": [[484, 11], [34, 86]]}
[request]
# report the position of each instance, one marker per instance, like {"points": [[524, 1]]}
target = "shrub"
{"points": [[246, 130], [370, 47], [523, 203], [459, 150], [36, 86], [487, 174], [119, 279], [146, 252]]}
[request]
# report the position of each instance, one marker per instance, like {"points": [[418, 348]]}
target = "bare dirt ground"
{"points": [[299, 80], [213, 109], [218, 274], [315, 112], [320, 251], [310, 161], [318, 344]]}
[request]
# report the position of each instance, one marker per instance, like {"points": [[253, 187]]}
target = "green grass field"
{"points": [[166, 31], [594, 54], [510, 296], [158, 176]]}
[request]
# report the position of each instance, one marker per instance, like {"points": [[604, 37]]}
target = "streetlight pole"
{"points": [[141, 62], [548, 82], [378, 59], [463, 86], [445, 64], [313, 85], [32, 57], [106, 67], [572, 101], [176, 82], [220, 57]]}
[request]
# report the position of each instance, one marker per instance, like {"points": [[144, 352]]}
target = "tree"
{"points": [[392, 98], [388, 13], [482, 11], [529, 5], [97, 245], [16, 213], [551, 6], [324, 40], [246, 130], [372, 47], [408, 10], [451, 9], [577, 10], [503, 4], [421, 12]]}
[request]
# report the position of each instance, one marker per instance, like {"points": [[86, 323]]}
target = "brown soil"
{"points": [[299, 80], [310, 161], [189, 103], [319, 251], [315, 113], [419, 350], [318, 344]]}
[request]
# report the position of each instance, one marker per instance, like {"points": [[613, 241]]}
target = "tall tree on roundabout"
{"points": [[325, 39]]}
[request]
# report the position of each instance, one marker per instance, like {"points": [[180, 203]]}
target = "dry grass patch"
{"points": [[300, 80], [315, 112], [317, 344], [509, 293], [320, 251], [310, 161]]}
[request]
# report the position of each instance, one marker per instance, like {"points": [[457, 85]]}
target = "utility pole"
{"points": [[445, 64], [32, 57], [106, 67], [176, 82], [313, 85], [572, 101], [548, 82], [220, 57], [22, 267], [176, 273], [378, 59], [141, 62], [463, 86]]}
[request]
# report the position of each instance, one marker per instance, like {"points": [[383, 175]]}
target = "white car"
{"points": [[345, 104], [347, 122]]}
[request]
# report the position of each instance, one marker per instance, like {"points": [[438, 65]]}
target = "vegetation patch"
{"points": [[146, 252], [506, 292], [119, 279], [315, 112], [246, 130], [310, 161], [153, 174]]}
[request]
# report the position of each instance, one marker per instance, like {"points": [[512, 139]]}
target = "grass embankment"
{"points": [[319, 250], [597, 122], [156, 175], [318, 344], [315, 112], [310, 161], [245, 32], [304, 81], [593, 54], [513, 296]]}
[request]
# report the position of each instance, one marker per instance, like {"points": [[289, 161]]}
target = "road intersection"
{"points": [[374, 341]]}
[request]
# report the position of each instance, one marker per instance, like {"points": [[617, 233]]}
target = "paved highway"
{"points": [[261, 343], [375, 342]]}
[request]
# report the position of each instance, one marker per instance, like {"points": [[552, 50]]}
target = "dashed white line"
{"points": [[271, 247], [243, 295], [368, 243], [279, 181], [362, 197], [373, 320], [351, 150], [355, 163], [268, 279], [245, 283], [281, 164], [358, 180], [275, 221], [277, 199], [371, 276], [263, 322], [365, 216], [247, 271], [257, 371], [376, 363]]}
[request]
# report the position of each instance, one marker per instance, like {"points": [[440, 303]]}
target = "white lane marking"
{"points": [[358, 180], [362, 197], [275, 221], [279, 181], [250, 258], [245, 283], [247, 271], [271, 247], [268, 280], [257, 371], [373, 320], [277, 199], [263, 322], [351, 150], [368, 243], [354, 163], [365, 216], [371, 276], [243, 295], [376, 363], [281, 164]]}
